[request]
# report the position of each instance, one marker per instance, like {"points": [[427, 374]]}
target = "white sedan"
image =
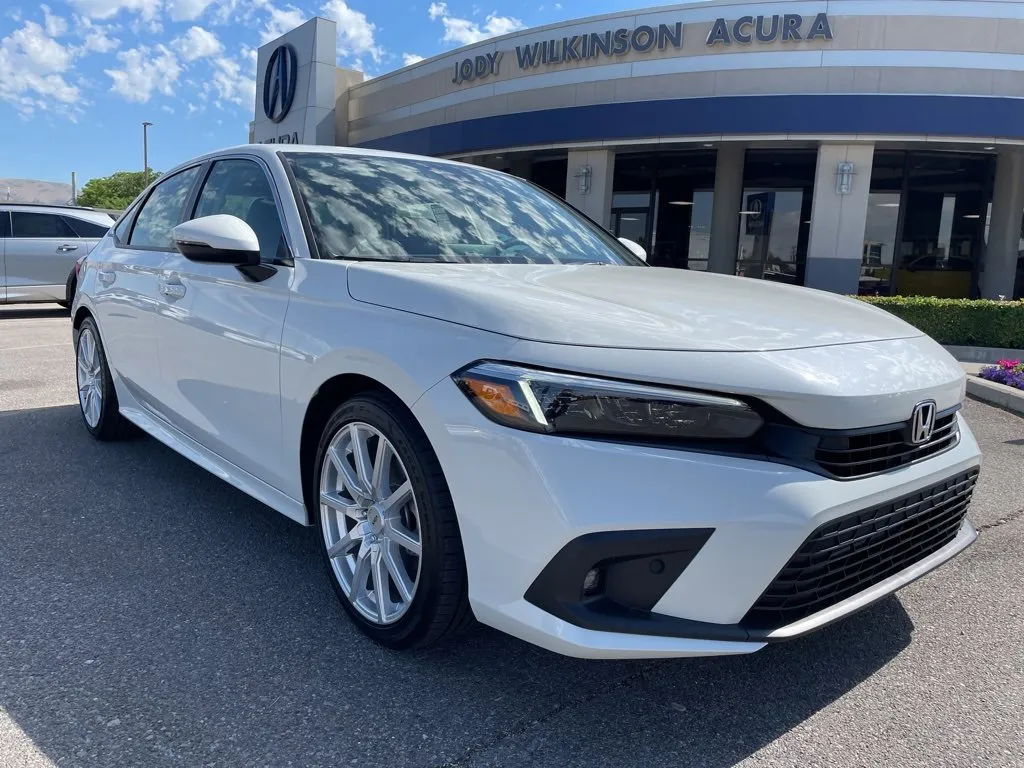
{"points": [[489, 407]]}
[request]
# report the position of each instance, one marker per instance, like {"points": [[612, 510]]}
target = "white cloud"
{"points": [[55, 25], [39, 51], [187, 10], [104, 9], [232, 84], [144, 71], [168, 109], [95, 37], [281, 20], [152, 26], [31, 72], [466, 32], [411, 58], [355, 32], [558, 6], [197, 43], [222, 12]]}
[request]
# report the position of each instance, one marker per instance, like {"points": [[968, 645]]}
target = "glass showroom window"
{"points": [[1018, 292], [663, 201], [550, 173], [684, 187], [631, 198], [775, 216], [941, 227], [881, 231]]}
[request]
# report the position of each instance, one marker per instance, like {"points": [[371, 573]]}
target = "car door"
{"points": [[39, 256], [89, 233], [5, 232], [220, 330], [126, 293]]}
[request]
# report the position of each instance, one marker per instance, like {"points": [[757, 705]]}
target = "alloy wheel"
{"points": [[370, 523], [90, 378]]}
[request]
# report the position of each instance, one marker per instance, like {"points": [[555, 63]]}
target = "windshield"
{"points": [[404, 209]]}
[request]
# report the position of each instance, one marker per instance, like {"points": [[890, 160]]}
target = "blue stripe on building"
{"points": [[800, 114]]}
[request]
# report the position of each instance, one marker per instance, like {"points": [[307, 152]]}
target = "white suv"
{"points": [[486, 405], [39, 245]]}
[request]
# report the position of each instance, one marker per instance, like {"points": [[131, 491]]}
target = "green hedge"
{"points": [[967, 322]]}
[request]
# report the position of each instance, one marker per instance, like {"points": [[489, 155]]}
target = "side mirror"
{"points": [[635, 248], [219, 239]]}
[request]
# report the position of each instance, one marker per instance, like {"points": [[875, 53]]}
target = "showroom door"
{"points": [[774, 226], [631, 224]]}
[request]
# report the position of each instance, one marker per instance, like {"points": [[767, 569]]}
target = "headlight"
{"points": [[542, 401]]}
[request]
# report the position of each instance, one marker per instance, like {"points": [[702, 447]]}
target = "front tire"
{"points": [[388, 530], [97, 399]]}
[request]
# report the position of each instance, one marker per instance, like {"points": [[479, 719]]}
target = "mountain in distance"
{"points": [[32, 191]]}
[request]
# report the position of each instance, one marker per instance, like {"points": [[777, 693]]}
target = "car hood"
{"points": [[624, 307]]}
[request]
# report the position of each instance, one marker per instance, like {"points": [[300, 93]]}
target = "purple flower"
{"points": [[1011, 375]]}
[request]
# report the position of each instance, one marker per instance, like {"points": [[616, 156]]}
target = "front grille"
{"points": [[854, 552], [851, 456]]}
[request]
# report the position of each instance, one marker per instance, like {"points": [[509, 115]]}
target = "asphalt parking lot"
{"points": [[151, 615]]}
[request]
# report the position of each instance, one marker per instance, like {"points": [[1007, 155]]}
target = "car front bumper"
{"points": [[721, 528]]}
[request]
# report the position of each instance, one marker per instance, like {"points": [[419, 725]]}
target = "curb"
{"points": [[983, 355], [1008, 398]]}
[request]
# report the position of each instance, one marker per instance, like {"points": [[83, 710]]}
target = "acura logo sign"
{"points": [[279, 83], [922, 422]]}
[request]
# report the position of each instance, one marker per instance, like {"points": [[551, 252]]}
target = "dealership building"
{"points": [[857, 146]]}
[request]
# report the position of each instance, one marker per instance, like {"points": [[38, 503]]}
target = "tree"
{"points": [[116, 191]]}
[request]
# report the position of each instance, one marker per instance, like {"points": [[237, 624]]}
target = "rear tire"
{"points": [[72, 288], [97, 399], [398, 466]]}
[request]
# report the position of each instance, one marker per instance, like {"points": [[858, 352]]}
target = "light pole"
{"points": [[145, 154]]}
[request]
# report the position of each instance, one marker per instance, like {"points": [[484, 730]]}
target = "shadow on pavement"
{"points": [[152, 615], [31, 311]]}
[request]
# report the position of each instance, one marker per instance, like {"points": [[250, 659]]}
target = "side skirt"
{"points": [[210, 461]]}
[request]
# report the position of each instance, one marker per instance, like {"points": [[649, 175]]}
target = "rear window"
{"points": [[87, 228]]}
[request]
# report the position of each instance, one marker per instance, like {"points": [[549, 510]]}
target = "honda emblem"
{"points": [[922, 422]]}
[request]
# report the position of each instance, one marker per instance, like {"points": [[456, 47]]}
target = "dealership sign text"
{"points": [[768, 29], [789, 27], [616, 42]]}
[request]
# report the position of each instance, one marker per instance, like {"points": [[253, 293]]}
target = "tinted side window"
{"points": [[121, 230], [162, 211], [87, 228], [240, 188], [5, 224], [40, 225]]}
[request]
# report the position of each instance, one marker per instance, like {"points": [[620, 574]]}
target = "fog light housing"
{"points": [[592, 581]]}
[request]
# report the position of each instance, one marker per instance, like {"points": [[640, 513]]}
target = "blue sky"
{"points": [[78, 77]]}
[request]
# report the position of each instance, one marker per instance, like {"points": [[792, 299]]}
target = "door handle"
{"points": [[105, 276], [66, 247], [172, 290]]}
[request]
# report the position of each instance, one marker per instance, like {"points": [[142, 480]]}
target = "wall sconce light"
{"points": [[844, 178], [583, 177]]}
